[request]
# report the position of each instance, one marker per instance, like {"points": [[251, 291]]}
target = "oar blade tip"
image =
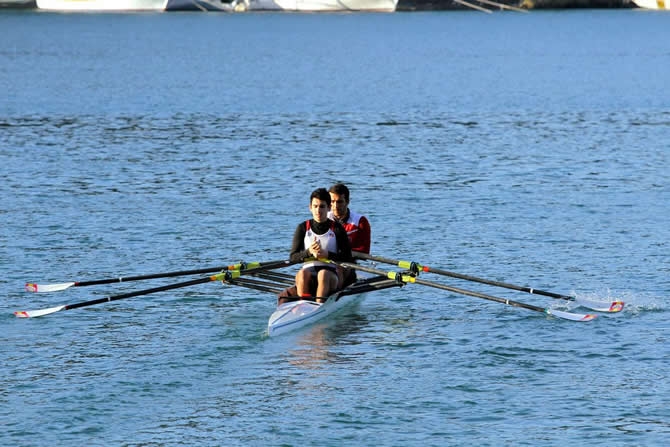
{"points": [[37, 313], [601, 306], [617, 306], [588, 317], [571, 316], [42, 288]]}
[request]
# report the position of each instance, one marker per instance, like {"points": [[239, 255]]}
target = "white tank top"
{"points": [[327, 241]]}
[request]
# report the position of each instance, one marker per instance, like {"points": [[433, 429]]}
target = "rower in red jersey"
{"points": [[357, 226]]}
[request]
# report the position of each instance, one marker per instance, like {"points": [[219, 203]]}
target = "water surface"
{"points": [[530, 148]]}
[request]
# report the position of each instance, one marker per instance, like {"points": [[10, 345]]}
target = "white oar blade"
{"points": [[40, 288], [37, 313], [601, 306], [570, 316]]}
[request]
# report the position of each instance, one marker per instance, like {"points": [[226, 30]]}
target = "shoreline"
{"points": [[443, 5]]}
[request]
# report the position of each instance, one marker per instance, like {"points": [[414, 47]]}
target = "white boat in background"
{"points": [[652, 4], [329, 5], [283, 5], [207, 5], [18, 4], [102, 5]]}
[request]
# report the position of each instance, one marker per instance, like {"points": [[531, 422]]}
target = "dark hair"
{"points": [[341, 190], [321, 194]]}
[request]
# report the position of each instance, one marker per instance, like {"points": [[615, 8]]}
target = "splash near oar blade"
{"points": [[600, 306]]}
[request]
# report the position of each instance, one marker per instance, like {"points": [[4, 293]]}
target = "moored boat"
{"points": [[102, 5], [652, 4], [283, 5], [18, 4]]}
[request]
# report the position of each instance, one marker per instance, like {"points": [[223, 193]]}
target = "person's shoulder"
{"points": [[361, 218], [337, 226], [302, 225]]}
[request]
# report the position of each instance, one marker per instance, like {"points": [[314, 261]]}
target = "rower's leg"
{"points": [[303, 281], [327, 283]]}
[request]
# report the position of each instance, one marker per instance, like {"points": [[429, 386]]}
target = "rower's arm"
{"points": [[298, 250], [343, 246]]}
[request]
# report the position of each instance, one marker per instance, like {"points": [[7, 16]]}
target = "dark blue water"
{"points": [[530, 148]]}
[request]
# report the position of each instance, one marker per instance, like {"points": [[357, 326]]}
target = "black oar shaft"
{"points": [[505, 285], [263, 287], [449, 288], [263, 266], [240, 266], [138, 293], [479, 295], [149, 276]]}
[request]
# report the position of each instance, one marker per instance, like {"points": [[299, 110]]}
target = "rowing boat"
{"points": [[298, 312], [294, 315]]}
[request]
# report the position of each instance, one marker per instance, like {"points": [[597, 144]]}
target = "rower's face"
{"points": [[339, 205], [319, 210]]}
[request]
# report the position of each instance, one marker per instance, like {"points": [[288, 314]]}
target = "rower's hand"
{"points": [[315, 249]]}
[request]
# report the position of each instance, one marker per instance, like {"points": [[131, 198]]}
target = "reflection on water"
{"points": [[320, 345], [126, 150]]}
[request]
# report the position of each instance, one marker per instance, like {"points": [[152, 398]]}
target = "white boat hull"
{"points": [[102, 5], [653, 4], [328, 5], [298, 314], [294, 315]]}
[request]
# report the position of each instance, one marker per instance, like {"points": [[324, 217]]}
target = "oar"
{"points": [[600, 306], [34, 287], [406, 278], [224, 276]]}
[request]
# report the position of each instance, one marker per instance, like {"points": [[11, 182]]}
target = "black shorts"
{"points": [[317, 268]]}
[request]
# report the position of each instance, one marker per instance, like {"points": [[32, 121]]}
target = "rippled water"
{"points": [[526, 148]]}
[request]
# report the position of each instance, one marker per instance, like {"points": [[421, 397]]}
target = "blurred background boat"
{"points": [[102, 5], [18, 4], [652, 4], [283, 5]]}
